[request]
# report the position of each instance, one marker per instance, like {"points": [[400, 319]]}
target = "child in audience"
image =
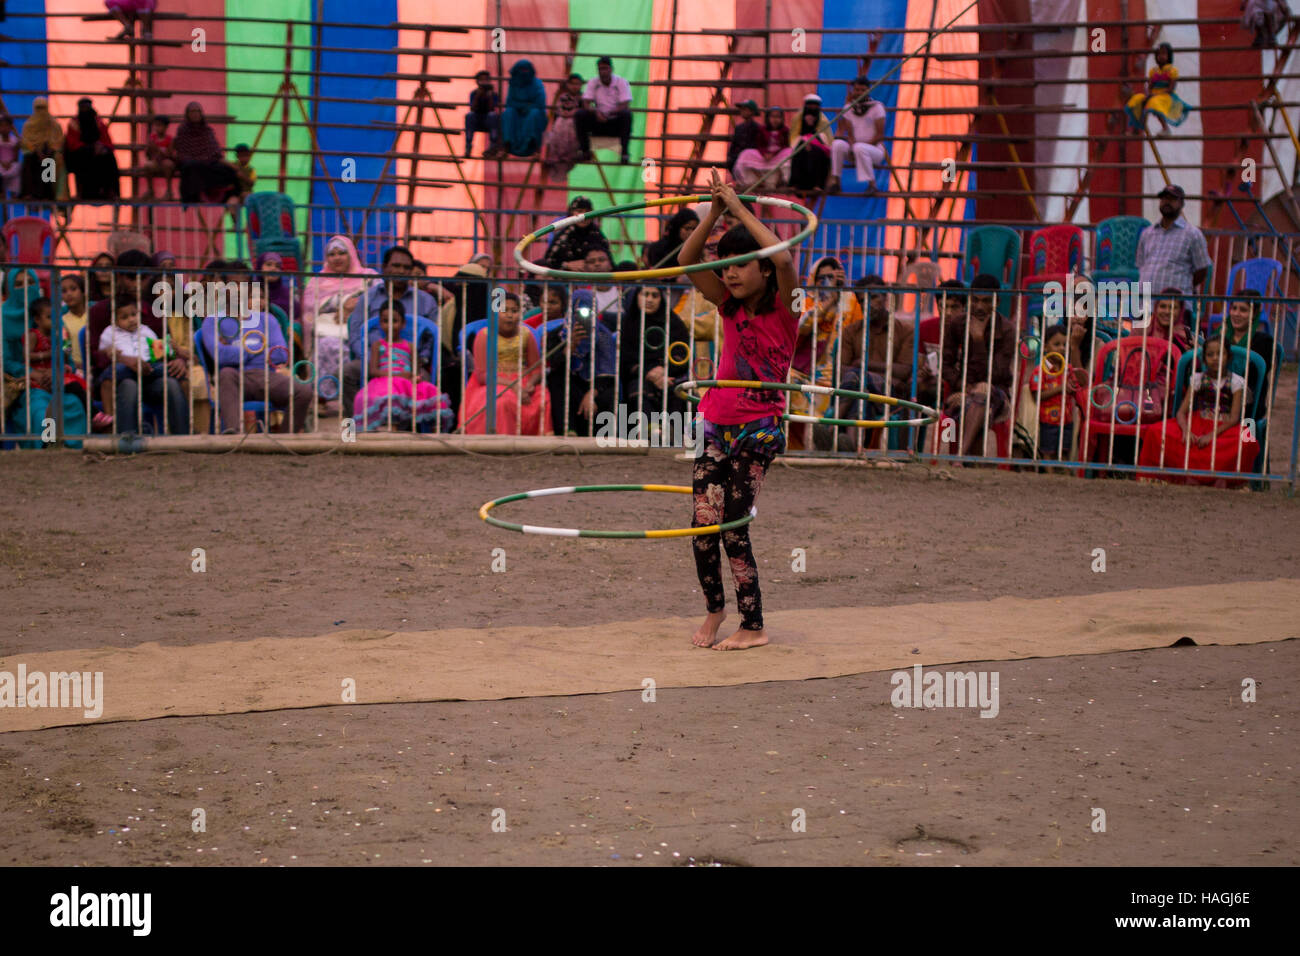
{"points": [[1047, 382], [128, 344], [521, 406], [72, 289], [1205, 434], [161, 156], [394, 386]]}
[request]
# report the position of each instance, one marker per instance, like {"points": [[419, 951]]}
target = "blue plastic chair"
{"points": [[209, 363], [1261, 274], [1115, 255], [995, 251]]}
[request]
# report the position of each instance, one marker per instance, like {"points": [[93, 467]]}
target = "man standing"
{"points": [[484, 112], [607, 110], [421, 320], [1172, 253], [859, 131]]}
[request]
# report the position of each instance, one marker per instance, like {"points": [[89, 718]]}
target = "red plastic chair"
{"points": [[1054, 252], [1161, 355], [25, 238]]}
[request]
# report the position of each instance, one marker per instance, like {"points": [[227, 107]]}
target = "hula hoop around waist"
{"points": [[810, 226], [483, 513], [930, 415]]}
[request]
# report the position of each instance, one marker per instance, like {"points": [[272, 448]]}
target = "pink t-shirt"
{"points": [[754, 348]]}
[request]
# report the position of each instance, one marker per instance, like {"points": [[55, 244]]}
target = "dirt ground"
{"points": [[97, 552]]}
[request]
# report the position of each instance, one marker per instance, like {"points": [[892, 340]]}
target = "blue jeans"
{"points": [[158, 387], [489, 123]]}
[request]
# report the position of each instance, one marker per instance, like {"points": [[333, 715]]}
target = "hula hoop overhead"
{"points": [[581, 533], [810, 226], [930, 416]]}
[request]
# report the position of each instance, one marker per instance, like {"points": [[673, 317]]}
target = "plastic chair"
{"points": [[1115, 253], [209, 362], [1261, 274], [927, 275], [288, 249], [25, 238], [995, 251], [1054, 253], [270, 216], [1098, 423]]}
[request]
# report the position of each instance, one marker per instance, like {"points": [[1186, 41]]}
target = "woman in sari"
{"points": [[832, 317]]}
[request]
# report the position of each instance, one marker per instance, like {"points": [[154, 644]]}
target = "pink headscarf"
{"points": [[326, 284]]}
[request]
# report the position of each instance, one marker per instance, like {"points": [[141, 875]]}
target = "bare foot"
{"points": [[742, 640], [708, 631]]}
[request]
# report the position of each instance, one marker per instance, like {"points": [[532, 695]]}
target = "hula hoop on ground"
{"points": [[310, 364], [810, 226], [1126, 421], [1110, 397], [270, 355], [1054, 363], [483, 513], [1029, 346], [930, 416], [243, 340], [333, 394], [686, 349], [227, 339]]}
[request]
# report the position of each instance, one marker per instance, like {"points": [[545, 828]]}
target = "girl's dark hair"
{"points": [[1250, 297], [394, 305], [76, 278], [123, 300], [41, 302], [1169, 51], [736, 242], [559, 290], [511, 297], [1058, 329]]}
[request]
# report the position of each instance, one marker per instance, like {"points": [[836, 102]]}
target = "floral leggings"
{"points": [[729, 472]]}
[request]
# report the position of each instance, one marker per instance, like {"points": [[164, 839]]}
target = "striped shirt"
{"points": [[1167, 258]]}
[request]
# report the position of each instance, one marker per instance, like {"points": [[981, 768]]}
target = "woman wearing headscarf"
{"points": [[89, 151], [328, 299], [772, 155], [831, 318], [42, 140], [569, 246], [679, 228], [810, 165], [31, 393], [654, 351], [524, 117], [199, 156]]}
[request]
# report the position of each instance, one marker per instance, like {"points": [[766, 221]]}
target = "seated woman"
{"points": [[832, 317], [654, 352], [204, 174], [973, 395], [663, 251], [1244, 331], [396, 391], [29, 389], [1170, 321], [1160, 97], [89, 151], [524, 117], [560, 147], [773, 156], [581, 369], [521, 406], [280, 291], [328, 300], [42, 140], [1205, 433], [810, 166]]}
